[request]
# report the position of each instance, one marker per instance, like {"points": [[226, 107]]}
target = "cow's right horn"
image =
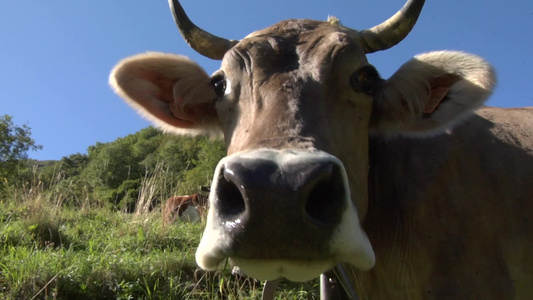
{"points": [[394, 30], [203, 42]]}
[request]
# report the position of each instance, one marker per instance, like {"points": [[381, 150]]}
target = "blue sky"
{"points": [[56, 55]]}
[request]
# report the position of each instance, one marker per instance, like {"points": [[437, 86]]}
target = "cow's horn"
{"points": [[394, 30], [200, 40]]}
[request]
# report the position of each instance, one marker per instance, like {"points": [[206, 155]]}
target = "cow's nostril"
{"points": [[230, 200], [326, 199]]}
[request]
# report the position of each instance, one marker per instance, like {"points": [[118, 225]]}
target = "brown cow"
{"points": [[329, 163], [177, 207]]}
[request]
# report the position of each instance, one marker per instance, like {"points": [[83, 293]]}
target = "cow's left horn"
{"points": [[200, 40], [394, 30]]}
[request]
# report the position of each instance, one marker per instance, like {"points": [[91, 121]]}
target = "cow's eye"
{"points": [[219, 84], [365, 80]]}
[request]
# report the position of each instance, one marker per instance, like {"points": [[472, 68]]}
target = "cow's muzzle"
{"points": [[284, 213]]}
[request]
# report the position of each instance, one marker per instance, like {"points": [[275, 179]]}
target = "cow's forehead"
{"points": [[297, 44], [297, 28]]}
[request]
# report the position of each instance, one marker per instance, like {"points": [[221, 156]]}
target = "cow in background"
{"points": [[190, 208]]}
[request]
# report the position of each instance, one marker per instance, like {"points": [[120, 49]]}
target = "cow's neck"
{"points": [[400, 265], [421, 221]]}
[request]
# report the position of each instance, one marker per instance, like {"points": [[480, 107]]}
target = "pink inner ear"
{"points": [[440, 87], [192, 113], [177, 109], [192, 103], [435, 98]]}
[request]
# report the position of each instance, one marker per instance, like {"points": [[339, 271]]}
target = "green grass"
{"points": [[49, 251]]}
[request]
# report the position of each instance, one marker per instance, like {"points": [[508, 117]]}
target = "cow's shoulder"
{"points": [[448, 204], [513, 126]]}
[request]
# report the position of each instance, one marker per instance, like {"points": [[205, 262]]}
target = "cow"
{"points": [[187, 208], [410, 183]]}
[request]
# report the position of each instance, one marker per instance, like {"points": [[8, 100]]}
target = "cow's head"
{"points": [[296, 103]]}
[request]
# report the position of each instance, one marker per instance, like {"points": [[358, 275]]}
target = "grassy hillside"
{"points": [[48, 251]]}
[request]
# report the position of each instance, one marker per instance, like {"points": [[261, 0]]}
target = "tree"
{"points": [[112, 164], [73, 164], [208, 154], [15, 142]]}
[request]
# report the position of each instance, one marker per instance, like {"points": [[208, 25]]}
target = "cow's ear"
{"points": [[431, 92], [172, 91]]}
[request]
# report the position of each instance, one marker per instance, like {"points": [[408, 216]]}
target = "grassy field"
{"points": [[48, 251]]}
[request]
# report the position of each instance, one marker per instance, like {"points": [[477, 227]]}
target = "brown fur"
{"points": [[176, 205], [448, 215]]}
